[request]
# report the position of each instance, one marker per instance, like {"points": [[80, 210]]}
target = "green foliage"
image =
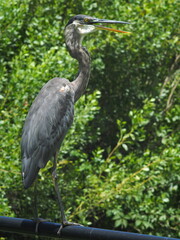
{"points": [[119, 163], [137, 189]]}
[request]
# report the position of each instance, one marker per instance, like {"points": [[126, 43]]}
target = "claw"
{"points": [[65, 224], [38, 221]]}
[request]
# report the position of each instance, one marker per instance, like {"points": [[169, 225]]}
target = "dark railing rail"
{"points": [[49, 229]]}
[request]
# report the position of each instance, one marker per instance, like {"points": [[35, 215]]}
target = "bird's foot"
{"points": [[38, 221], [66, 223]]}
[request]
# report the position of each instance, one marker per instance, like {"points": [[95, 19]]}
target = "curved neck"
{"points": [[73, 42]]}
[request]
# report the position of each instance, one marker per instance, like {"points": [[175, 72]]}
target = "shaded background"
{"points": [[119, 164]]}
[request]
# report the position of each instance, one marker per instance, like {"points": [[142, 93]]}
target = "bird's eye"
{"points": [[86, 19]]}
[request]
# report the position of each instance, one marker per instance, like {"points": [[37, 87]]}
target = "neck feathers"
{"points": [[73, 42]]}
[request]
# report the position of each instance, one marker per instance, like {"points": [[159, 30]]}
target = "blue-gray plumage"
{"points": [[47, 122], [51, 113]]}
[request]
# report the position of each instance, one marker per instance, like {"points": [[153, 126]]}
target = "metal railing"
{"points": [[50, 229]]}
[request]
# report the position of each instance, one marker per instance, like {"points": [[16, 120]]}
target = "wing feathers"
{"points": [[47, 122]]}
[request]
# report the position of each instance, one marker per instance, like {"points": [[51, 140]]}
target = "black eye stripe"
{"points": [[80, 17]]}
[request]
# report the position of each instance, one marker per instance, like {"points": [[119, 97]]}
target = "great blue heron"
{"points": [[51, 113]]}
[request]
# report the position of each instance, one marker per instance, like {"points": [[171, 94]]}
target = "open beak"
{"points": [[94, 21]]}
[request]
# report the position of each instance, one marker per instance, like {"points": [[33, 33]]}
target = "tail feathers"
{"points": [[30, 171]]}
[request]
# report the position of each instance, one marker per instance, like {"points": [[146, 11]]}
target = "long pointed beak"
{"points": [[109, 22]]}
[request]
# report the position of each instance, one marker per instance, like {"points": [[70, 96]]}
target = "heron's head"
{"points": [[83, 24]]}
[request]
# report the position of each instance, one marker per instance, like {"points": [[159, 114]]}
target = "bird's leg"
{"points": [[36, 218], [54, 175], [35, 200], [64, 221], [61, 207]]}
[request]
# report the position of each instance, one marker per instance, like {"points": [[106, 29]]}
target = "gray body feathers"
{"points": [[46, 125]]}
